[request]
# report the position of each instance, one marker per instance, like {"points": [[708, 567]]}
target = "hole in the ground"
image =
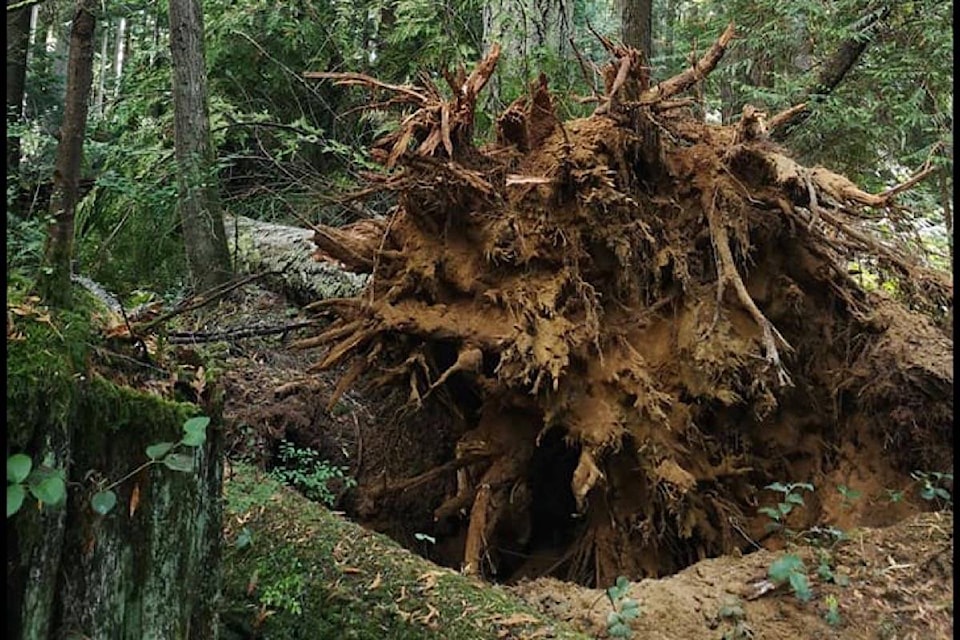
{"points": [[553, 527]]}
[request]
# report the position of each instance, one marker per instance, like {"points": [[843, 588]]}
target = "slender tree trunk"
{"points": [[54, 282], [123, 43], [199, 198], [18, 34], [104, 66]]}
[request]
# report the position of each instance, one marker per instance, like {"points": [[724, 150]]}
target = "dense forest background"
{"points": [[288, 147]]}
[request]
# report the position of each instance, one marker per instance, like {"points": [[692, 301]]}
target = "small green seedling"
{"points": [[847, 495], [932, 486], [166, 453], [791, 498], [625, 610], [894, 495], [790, 569], [832, 615]]}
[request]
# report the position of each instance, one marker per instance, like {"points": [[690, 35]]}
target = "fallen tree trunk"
{"points": [[289, 252], [304, 572]]}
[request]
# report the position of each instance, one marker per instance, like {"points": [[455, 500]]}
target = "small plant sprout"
{"points": [[305, 470], [832, 614], [847, 495], [625, 610], [933, 486], [894, 496], [166, 453], [789, 569], [791, 498]]}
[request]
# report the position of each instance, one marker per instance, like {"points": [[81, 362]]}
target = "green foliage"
{"points": [[791, 498], [848, 496], [45, 483], [825, 571], [895, 495], [244, 538], [283, 588], [732, 611], [832, 614], [789, 568], [304, 470], [625, 610], [165, 453], [935, 486]]}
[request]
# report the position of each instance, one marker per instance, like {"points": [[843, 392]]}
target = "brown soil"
{"points": [[900, 576], [901, 586]]}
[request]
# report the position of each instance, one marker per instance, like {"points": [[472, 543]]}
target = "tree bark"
{"points": [[151, 567], [199, 197], [636, 26], [54, 284], [18, 34]]}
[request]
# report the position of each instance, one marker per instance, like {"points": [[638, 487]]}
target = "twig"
{"points": [[190, 337], [205, 298]]}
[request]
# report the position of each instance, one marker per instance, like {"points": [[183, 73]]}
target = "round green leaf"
{"points": [[15, 495], [103, 502], [782, 568], [194, 439], [18, 468], [52, 490], [157, 451], [179, 462], [194, 431], [196, 425]]}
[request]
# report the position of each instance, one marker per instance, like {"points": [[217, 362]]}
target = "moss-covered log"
{"points": [[149, 567], [292, 569], [288, 252]]}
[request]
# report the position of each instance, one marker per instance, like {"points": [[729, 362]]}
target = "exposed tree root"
{"points": [[566, 285]]}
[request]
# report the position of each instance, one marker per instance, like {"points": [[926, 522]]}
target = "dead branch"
{"points": [[686, 79]]}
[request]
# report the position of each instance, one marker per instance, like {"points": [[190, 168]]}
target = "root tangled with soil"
{"points": [[664, 300]]}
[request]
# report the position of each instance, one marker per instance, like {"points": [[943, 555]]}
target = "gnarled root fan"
{"points": [[651, 312]]}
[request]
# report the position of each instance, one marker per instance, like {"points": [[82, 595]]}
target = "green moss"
{"points": [[351, 582]]}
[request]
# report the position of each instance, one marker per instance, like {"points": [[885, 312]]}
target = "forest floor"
{"points": [[880, 566]]}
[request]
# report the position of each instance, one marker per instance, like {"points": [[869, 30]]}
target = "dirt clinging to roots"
{"points": [[635, 321]]}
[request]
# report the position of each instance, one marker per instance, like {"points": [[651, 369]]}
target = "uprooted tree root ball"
{"points": [[638, 320]]}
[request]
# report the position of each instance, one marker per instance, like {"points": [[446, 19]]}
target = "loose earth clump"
{"points": [[625, 326]]}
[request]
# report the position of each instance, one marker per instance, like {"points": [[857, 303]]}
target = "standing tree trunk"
{"points": [[104, 66], [54, 282], [636, 26], [18, 33], [199, 198]]}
